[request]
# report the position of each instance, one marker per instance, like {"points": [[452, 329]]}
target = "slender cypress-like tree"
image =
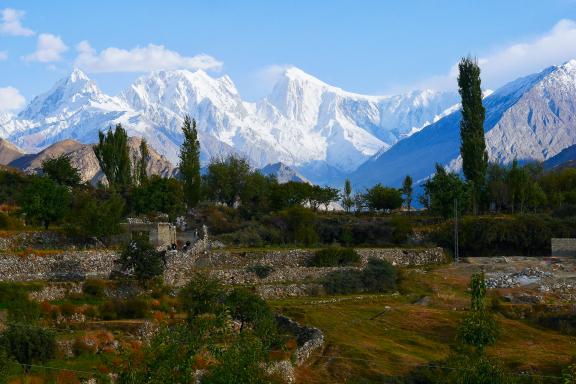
{"points": [[190, 162], [473, 145], [114, 157], [142, 162], [347, 199], [407, 191]]}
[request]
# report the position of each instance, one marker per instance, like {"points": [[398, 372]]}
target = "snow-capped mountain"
{"points": [[303, 123], [531, 118], [283, 173]]}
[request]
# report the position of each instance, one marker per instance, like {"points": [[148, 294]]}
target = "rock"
{"points": [[424, 301]]}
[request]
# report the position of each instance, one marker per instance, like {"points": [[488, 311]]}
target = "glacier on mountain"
{"points": [[303, 123], [531, 118]]}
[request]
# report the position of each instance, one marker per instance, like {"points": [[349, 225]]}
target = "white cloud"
{"points": [[506, 64], [49, 48], [3, 55], [11, 23], [139, 59], [11, 99]]}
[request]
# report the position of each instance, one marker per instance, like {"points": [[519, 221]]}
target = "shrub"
{"points": [[299, 223], [141, 258], [132, 308], [10, 222], [14, 297], [202, 294], [262, 271], [379, 276], [343, 282], [27, 344], [510, 235], [94, 289], [249, 308], [401, 229], [334, 257]]}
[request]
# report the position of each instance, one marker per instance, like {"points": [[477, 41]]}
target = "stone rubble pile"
{"points": [[516, 279]]}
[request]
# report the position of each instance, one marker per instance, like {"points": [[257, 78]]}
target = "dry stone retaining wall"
{"points": [[232, 267]]}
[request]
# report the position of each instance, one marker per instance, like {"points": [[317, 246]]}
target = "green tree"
{"points": [[95, 214], [256, 197], [496, 186], [347, 199], [44, 200], [140, 258], [141, 166], [113, 155], [379, 276], [443, 189], [383, 198], [250, 309], [159, 194], [407, 191], [61, 171], [240, 363], [299, 225], [202, 294], [28, 344], [473, 144], [190, 162], [479, 328], [519, 185], [289, 194], [226, 179], [322, 196]]}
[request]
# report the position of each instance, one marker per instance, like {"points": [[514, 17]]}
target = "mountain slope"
{"points": [[283, 173], [9, 152], [303, 123], [531, 118], [566, 158], [82, 157]]}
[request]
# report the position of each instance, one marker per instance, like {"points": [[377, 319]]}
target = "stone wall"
{"points": [[563, 247], [289, 266], [33, 239], [68, 265]]}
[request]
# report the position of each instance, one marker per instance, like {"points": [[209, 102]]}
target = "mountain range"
{"points": [[317, 129], [530, 119], [304, 129]]}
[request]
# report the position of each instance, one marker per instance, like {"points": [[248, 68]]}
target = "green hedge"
{"points": [[522, 235]]}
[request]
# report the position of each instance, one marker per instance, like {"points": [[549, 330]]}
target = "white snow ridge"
{"points": [[304, 123]]}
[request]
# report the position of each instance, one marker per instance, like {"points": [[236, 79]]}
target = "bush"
{"points": [[262, 271], [94, 289], [132, 308], [249, 308], [401, 229], [10, 222], [334, 257], [509, 235], [343, 282], [27, 344], [379, 276], [141, 258], [14, 298], [202, 294]]}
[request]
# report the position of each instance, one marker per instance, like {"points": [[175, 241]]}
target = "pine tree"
{"points": [[473, 145], [407, 191], [142, 176], [113, 156], [190, 162]]}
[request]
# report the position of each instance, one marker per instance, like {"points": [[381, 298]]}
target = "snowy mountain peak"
{"points": [[68, 94]]}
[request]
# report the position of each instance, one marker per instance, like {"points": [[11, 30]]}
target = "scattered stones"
{"points": [[510, 280]]}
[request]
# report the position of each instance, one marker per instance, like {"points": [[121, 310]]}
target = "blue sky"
{"points": [[373, 47]]}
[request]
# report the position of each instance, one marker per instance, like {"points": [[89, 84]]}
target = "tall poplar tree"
{"points": [[407, 192], [190, 162], [141, 174], [473, 145], [113, 156]]}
